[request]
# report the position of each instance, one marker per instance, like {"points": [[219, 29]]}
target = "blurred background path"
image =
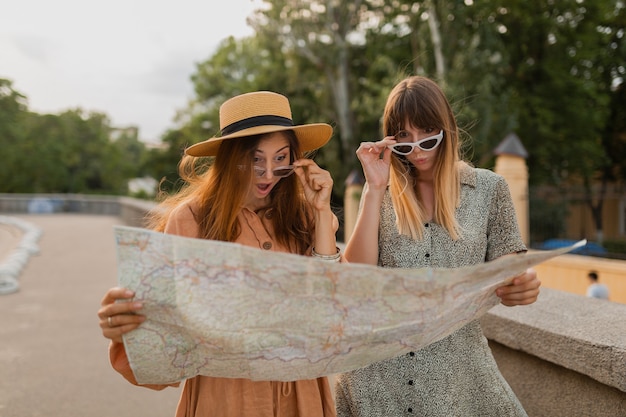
{"points": [[53, 358]]}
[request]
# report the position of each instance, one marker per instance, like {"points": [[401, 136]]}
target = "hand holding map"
{"points": [[227, 310]]}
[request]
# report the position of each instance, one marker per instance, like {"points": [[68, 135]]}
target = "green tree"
{"points": [[533, 67], [563, 64], [162, 162], [72, 152], [13, 111], [319, 32], [128, 155]]}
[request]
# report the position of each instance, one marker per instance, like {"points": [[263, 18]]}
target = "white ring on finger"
{"points": [[109, 320]]}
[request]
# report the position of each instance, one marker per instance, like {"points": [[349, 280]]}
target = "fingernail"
{"points": [[137, 304], [129, 293]]}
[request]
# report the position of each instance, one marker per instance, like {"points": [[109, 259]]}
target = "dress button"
{"points": [[267, 245], [427, 255], [410, 410], [411, 353], [410, 382], [269, 214], [426, 225]]}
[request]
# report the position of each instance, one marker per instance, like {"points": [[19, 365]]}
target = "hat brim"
{"points": [[311, 137]]}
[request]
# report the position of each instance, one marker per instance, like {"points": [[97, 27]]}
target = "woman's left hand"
{"points": [[523, 290], [317, 183], [119, 313]]}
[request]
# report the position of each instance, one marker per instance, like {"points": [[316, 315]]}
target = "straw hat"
{"points": [[256, 113]]}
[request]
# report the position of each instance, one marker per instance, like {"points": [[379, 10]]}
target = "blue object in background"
{"points": [[589, 249], [40, 206]]}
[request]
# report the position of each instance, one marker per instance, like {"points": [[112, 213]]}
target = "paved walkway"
{"points": [[53, 358]]}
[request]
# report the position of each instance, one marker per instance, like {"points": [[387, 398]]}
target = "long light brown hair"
{"points": [[420, 102], [217, 187]]}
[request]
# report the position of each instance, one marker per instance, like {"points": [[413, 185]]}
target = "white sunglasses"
{"points": [[426, 144]]}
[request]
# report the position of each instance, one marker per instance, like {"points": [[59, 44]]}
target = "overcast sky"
{"points": [[130, 59]]}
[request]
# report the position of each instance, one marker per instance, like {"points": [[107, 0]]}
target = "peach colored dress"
{"points": [[223, 397]]}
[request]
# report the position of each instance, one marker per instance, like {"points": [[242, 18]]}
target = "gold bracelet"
{"points": [[333, 258]]}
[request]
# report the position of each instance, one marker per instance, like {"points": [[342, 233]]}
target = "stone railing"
{"points": [[131, 210], [59, 203], [564, 355]]}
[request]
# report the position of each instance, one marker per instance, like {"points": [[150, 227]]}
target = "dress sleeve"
{"points": [[503, 231]]}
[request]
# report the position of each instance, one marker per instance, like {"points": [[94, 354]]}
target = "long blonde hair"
{"points": [[218, 186], [423, 104]]}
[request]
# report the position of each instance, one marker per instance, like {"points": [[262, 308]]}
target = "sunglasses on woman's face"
{"points": [[280, 172], [405, 148]]}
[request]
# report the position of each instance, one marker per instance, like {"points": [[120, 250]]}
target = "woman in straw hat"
{"points": [[248, 195]]}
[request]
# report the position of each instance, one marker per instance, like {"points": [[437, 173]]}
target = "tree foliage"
{"points": [[552, 71], [72, 152]]}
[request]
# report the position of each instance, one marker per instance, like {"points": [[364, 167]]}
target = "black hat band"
{"points": [[254, 122]]}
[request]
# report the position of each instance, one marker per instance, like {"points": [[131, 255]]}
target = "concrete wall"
{"points": [[131, 210], [59, 203], [564, 355]]}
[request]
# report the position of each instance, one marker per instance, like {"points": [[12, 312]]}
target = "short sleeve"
{"points": [[503, 231]]}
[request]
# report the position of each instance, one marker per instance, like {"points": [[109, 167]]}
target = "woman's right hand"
{"points": [[375, 168], [118, 318]]}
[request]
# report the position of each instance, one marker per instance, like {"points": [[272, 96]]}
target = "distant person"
{"points": [[596, 289]]}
